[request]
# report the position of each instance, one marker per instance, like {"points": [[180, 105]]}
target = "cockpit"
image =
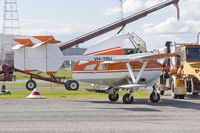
{"points": [[133, 44], [193, 54]]}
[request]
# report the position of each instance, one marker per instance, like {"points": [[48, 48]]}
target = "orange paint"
{"points": [[46, 39], [28, 71], [104, 51], [51, 72], [24, 42]]}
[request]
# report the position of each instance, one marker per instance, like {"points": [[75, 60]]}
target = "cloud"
{"points": [[44, 27], [170, 26], [150, 3], [190, 9], [132, 5]]}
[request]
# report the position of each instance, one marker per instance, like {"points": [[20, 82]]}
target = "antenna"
{"points": [[10, 28]]}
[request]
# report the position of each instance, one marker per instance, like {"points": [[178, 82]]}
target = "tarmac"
{"points": [[100, 116]]}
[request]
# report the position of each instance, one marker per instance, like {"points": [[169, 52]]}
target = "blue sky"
{"points": [[67, 19]]}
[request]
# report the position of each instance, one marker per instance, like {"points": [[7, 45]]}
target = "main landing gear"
{"points": [[129, 99]]}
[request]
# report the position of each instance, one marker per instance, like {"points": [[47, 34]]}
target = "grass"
{"points": [[62, 73], [70, 95]]}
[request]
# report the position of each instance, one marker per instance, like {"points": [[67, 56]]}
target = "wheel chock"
{"points": [[161, 101], [149, 101]]}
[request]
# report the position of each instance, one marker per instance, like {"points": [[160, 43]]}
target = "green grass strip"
{"points": [[70, 95]]}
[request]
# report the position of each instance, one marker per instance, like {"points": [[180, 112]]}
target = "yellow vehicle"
{"points": [[183, 74]]}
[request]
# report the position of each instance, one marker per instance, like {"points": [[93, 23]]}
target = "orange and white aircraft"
{"points": [[109, 63]]}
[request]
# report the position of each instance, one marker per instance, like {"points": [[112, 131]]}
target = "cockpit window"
{"points": [[103, 66], [193, 54], [90, 67]]}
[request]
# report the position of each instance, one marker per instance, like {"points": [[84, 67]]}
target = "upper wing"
{"points": [[120, 58]]}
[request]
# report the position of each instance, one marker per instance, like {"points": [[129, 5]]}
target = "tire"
{"points": [[113, 97], [195, 94], [174, 96], [31, 85], [153, 97], [181, 96], [126, 99], [72, 85]]}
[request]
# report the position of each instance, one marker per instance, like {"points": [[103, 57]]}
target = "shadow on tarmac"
{"points": [[187, 103]]}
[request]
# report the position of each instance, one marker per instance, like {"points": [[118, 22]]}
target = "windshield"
{"points": [[193, 54]]}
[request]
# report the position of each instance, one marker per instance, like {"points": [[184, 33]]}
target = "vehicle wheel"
{"points": [[72, 85], [195, 93], [31, 85], [162, 92], [181, 96], [126, 99], [154, 98], [113, 97], [174, 96]]}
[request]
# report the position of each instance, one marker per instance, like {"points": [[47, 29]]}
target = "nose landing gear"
{"points": [[155, 96]]}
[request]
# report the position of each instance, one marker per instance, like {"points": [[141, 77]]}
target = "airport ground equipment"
{"points": [[183, 75], [6, 74]]}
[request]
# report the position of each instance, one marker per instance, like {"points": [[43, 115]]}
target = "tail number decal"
{"points": [[103, 58]]}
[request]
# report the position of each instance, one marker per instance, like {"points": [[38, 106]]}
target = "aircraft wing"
{"points": [[119, 58]]}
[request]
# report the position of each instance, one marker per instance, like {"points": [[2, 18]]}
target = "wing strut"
{"points": [[133, 77]]}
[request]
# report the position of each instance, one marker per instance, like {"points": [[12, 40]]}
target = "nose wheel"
{"points": [[155, 96]]}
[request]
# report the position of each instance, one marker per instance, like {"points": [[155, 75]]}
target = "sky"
{"points": [[67, 19]]}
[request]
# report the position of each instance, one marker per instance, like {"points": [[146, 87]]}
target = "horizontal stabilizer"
{"points": [[45, 40], [132, 85], [23, 43]]}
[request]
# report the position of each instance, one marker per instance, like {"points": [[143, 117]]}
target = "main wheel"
{"points": [[126, 99], [30, 85], [113, 97], [72, 85], [154, 98]]}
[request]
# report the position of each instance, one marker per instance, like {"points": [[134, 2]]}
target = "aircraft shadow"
{"points": [[187, 103]]}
